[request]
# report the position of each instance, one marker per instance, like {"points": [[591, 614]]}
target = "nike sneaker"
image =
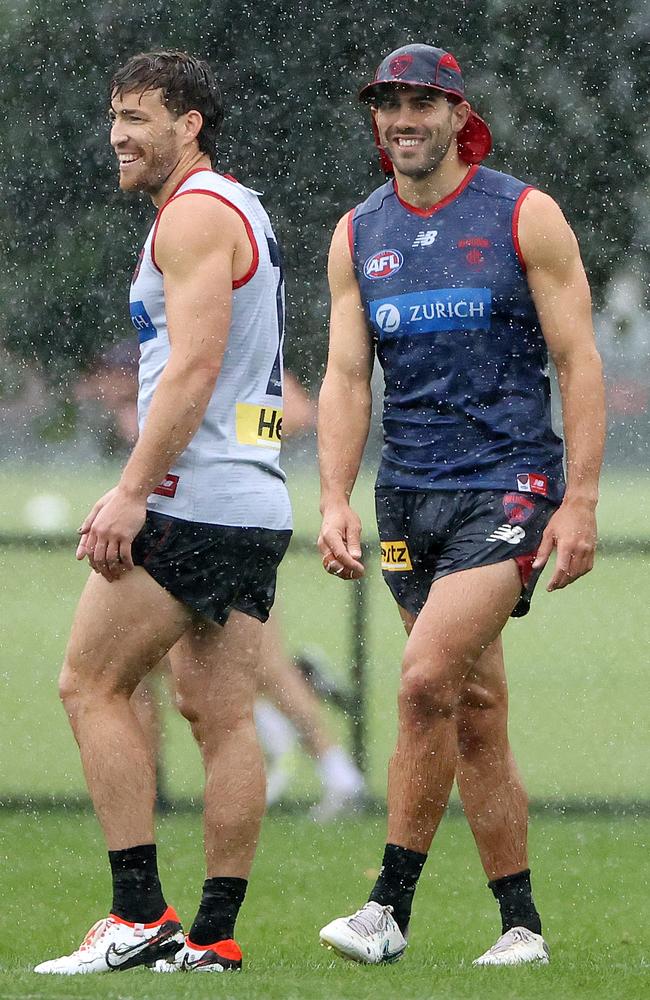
{"points": [[223, 956], [113, 944], [516, 946], [370, 936]]}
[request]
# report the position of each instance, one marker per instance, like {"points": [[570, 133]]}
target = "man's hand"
{"points": [[108, 531], [572, 532], [339, 543]]}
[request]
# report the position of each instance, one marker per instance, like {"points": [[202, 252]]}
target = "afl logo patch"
{"points": [[383, 264]]}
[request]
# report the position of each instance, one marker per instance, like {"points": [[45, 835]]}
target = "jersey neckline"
{"points": [[424, 213], [190, 173]]}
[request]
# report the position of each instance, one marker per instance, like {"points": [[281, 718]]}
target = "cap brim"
{"points": [[373, 89]]}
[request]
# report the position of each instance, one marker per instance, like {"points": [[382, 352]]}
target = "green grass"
{"points": [[579, 707], [590, 879], [577, 664]]}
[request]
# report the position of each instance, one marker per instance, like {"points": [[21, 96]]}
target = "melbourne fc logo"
{"points": [[383, 264], [400, 64]]}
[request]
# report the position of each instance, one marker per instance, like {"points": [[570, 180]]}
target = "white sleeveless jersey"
{"points": [[230, 472]]}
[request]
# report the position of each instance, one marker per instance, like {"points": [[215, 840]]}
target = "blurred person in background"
{"points": [[290, 707], [185, 548], [462, 279]]}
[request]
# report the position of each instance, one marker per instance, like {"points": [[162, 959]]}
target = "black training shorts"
{"points": [[427, 535], [212, 568]]}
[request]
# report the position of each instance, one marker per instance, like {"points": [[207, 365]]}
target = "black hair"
{"points": [[187, 83]]}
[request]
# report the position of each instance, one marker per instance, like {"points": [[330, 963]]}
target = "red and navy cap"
{"points": [[426, 66]]}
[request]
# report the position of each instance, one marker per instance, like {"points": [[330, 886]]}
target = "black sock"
{"points": [[220, 903], [515, 899], [397, 881], [137, 895]]}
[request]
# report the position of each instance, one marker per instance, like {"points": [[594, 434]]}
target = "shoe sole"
{"points": [[519, 961]]}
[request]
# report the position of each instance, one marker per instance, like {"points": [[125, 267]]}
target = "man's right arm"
{"points": [[343, 413]]}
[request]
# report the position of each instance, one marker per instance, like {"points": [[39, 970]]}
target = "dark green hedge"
{"points": [[561, 85]]}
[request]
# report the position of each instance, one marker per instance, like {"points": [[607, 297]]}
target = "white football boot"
{"points": [[370, 936], [113, 944], [515, 947]]}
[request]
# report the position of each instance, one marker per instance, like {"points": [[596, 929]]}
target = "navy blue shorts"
{"points": [[212, 568], [427, 535]]}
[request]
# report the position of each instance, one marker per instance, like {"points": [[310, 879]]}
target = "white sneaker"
{"points": [[370, 936], [224, 956], [516, 946], [113, 943]]}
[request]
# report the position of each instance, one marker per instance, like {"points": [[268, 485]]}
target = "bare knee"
{"points": [[425, 696], [69, 688], [212, 720], [481, 720], [81, 688]]}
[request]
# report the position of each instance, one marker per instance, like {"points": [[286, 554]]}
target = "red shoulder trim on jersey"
{"points": [[426, 212], [249, 232], [197, 170], [515, 226], [351, 234]]}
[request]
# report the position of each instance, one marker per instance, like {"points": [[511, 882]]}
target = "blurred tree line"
{"points": [[562, 86]]}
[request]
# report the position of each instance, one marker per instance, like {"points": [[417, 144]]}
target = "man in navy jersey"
{"points": [[462, 279]]}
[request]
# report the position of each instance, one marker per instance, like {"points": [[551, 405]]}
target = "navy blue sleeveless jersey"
{"points": [[467, 401]]}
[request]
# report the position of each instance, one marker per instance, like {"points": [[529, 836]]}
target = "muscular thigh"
{"points": [[463, 617], [122, 629]]}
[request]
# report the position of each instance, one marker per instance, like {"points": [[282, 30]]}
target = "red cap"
{"points": [[426, 66]]}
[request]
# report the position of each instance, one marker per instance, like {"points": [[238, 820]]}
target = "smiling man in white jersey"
{"points": [[185, 548], [462, 280]]}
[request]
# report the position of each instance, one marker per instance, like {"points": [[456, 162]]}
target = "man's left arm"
{"points": [[560, 291]]}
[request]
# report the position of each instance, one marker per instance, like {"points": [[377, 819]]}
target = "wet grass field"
{"points": [[590, 877], [577, 665], [579, 707]]}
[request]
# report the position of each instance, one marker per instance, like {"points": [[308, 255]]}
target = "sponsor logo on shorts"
{"points": [[168, 486], [532, 482], [510, 533], [395, 557], [434, 311], [142, 322], [517, 508], [258, 425], [383, 264]]}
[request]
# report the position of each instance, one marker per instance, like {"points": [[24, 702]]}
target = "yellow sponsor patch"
{"points": [[395, 557], [258, 425]]}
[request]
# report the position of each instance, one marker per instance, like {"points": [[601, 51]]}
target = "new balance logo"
{"points": [[425, 238], [510, 533]]}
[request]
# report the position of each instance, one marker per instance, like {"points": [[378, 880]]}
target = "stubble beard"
{"points": [[419, 171], [153, 175]]}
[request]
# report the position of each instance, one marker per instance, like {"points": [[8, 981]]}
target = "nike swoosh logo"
{"points": [[187, 966], [128, 951]]}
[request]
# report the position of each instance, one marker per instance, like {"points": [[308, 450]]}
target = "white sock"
{"points": [[339, 773]]}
